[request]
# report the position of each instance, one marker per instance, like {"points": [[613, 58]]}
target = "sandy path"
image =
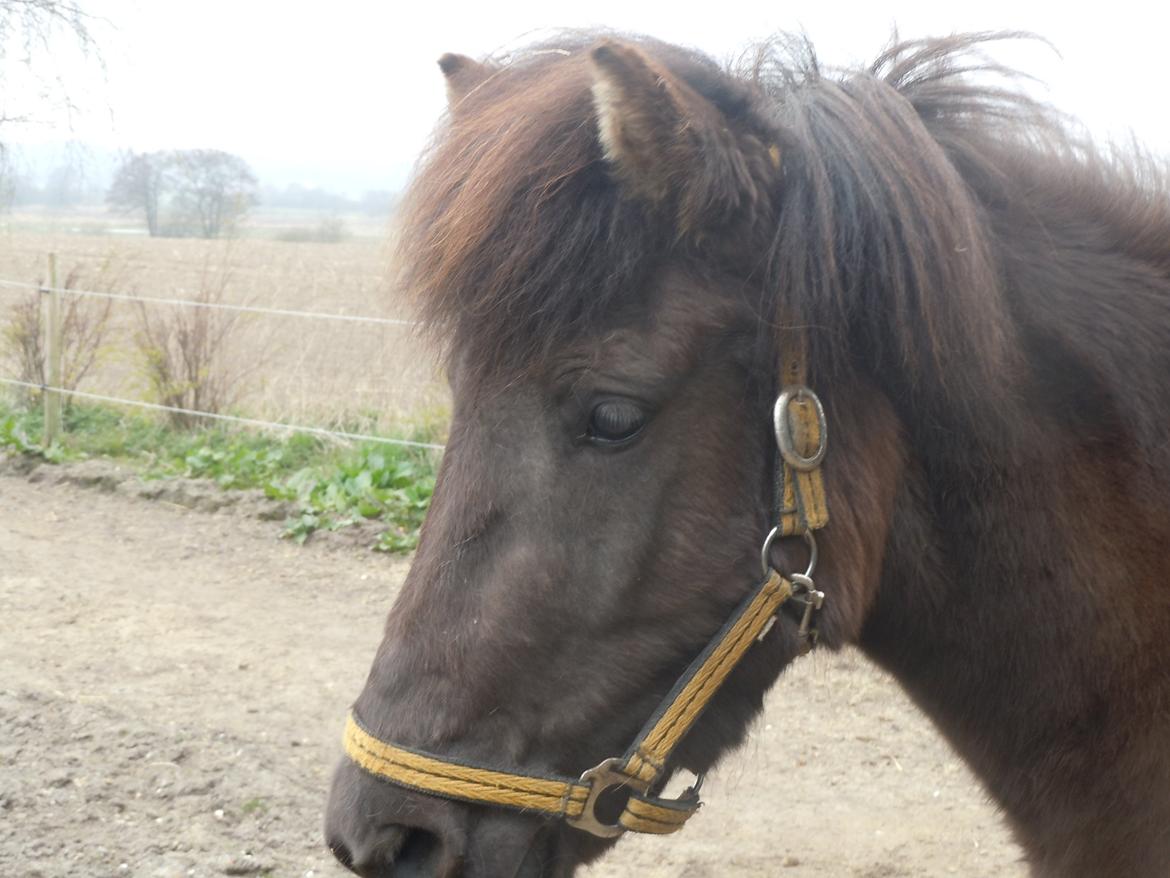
{"points": [[172, 685]]}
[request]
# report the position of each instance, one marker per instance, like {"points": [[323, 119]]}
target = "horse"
{"points": [[616, 244]]}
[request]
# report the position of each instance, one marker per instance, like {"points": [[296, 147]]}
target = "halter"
{"points": [[798, 421]]}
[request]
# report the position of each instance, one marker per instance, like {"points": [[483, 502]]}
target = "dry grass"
{"points": [[310, 371]]}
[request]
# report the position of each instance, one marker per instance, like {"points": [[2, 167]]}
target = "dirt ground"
{"points": [[173, 683]]}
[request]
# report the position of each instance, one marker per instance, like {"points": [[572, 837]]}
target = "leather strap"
{"points": [[801, 509], [800, 494], [643, 765]]}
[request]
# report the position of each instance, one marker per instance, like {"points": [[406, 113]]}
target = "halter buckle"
{"points": [[806, 592], [766, 553], [601, 778], [782, 425]]}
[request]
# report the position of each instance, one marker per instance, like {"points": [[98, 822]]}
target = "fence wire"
{"points": [[233, 419], [195, 303], [198, 267]]}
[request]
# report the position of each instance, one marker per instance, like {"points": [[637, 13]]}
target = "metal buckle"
{"points": [[783, 428], [606, 776], [803, 589], [766, 550], [813, 600]]}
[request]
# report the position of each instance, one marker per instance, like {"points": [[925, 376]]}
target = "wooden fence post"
{"points": [[53, 354]]}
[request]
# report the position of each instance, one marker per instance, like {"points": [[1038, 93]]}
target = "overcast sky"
{"points": [[348, 90]]}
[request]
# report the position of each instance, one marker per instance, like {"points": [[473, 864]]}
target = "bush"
{"points": [[185, 352], [331, 230], [85, 324]]}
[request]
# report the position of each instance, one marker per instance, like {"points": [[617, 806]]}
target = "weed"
{"points": [[14, 437], [254, 806], [387, 483], [332, 486]]}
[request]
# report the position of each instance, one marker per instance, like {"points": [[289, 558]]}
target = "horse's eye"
{"points": [[615, 421]]}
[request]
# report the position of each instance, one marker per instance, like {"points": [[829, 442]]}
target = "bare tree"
{"points": [[30, 28], [214, 190], [141, 183], [65, 185], [10, 179]]}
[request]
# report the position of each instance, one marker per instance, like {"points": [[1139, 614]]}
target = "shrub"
{"points": [[85, 325], [185, 352], [331, 230]]}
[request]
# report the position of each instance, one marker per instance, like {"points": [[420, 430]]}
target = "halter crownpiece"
{"points": [[799, 424]]}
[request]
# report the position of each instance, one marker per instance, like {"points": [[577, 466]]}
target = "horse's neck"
{"points": [[1025, 598]]}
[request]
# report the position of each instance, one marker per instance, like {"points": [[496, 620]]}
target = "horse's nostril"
{"points": [[419, 855], [340, 852], [399, 851], [377, 830], [374, 858]]}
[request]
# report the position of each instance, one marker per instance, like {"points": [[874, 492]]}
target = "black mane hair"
{"points": [[892, 234]]}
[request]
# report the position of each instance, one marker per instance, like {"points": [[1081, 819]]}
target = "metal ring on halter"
{"points": [[809, 540], [606, 776], [783, 428]]}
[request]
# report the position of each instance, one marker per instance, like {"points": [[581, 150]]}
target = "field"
{"points": [[307, 371]]}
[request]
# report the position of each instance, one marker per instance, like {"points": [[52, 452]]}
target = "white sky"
{"points": [[353, 86]]}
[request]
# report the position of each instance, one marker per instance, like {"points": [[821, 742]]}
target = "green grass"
{"points": [[331, 485], [254, 806]]}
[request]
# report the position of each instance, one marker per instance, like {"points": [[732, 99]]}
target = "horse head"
{"points": [[618, 246]]}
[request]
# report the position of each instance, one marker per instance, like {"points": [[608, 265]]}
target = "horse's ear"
{"points": [[670, 146], [463, 75]]}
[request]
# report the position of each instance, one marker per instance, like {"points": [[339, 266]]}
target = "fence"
{"points": [[53, 392]]}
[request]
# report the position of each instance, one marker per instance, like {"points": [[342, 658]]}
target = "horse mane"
{"points": [[887, 241], [890, 236], [512, 236]]}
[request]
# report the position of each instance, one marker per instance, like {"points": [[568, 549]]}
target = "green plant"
{"points": [[332, 486], [17, 425], [13, 436], [387, 483], [254, 806]]}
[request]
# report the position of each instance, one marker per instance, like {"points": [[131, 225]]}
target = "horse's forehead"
{"points": [[663, 329], [654, 333]]}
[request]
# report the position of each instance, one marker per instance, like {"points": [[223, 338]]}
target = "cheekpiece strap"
{"points": [[799, 423]]}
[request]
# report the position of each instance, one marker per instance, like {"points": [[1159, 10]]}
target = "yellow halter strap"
{"points": [[642, 765], [800, 429]]}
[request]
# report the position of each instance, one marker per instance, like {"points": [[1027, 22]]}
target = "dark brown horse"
{"points": [[615, 239]]}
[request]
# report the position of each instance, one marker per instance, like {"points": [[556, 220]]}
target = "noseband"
{"points": [[799, 509]]}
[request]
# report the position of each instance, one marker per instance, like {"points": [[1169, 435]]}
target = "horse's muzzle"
{"points": [[378, 830]]}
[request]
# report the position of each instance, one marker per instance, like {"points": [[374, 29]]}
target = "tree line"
{"points": [[189, 192], [159, 188]]}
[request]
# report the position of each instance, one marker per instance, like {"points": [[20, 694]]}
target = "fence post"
{"points": [[53, 355]]}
